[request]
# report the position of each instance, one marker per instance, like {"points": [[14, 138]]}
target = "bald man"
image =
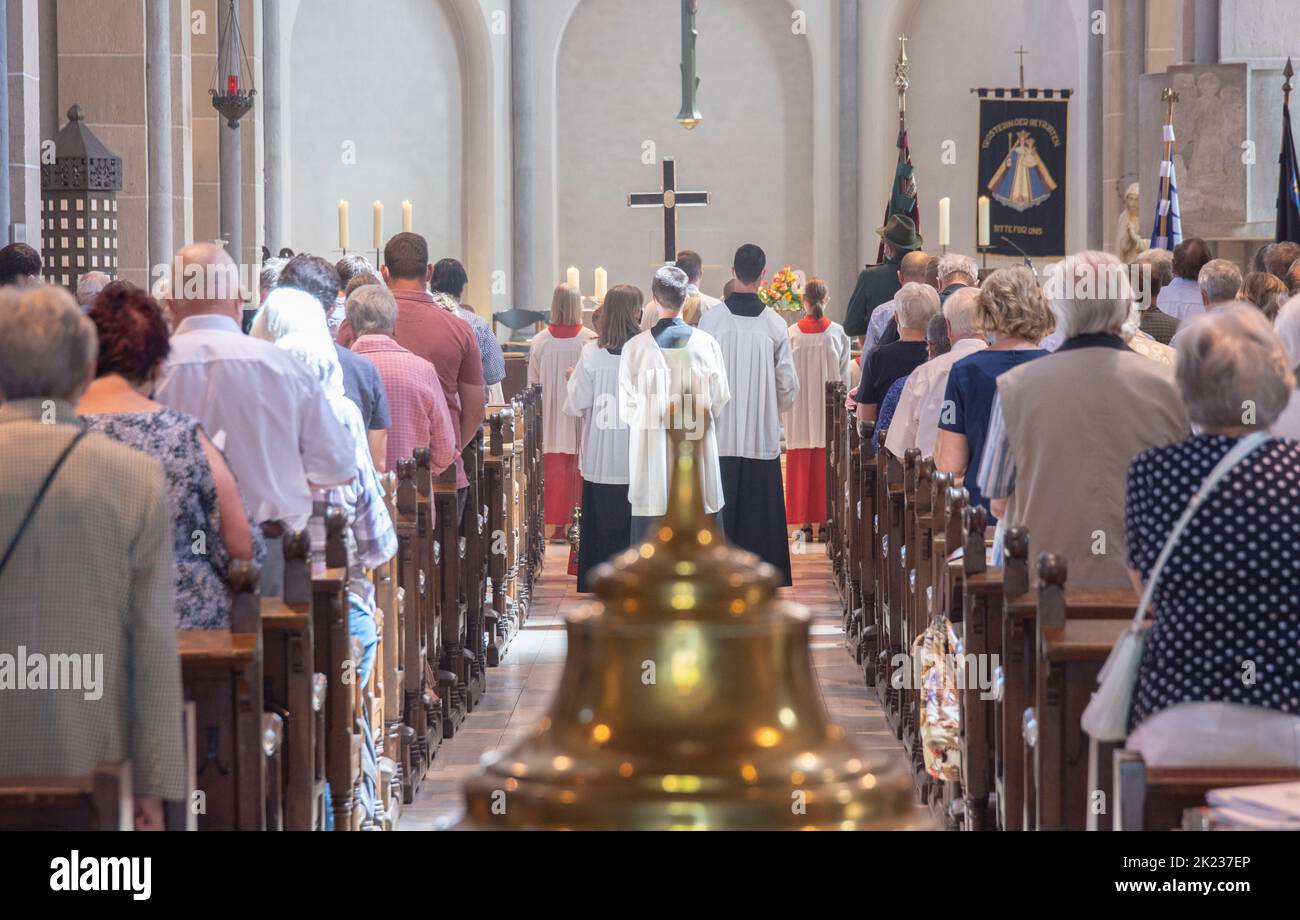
{"points": [[257, 403], [913, 269]]}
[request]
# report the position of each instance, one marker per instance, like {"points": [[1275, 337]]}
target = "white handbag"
{"points": [[1106, 718]]}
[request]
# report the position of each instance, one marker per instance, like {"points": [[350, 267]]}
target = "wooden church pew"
{"points": [[889, 576], [981, 593], [100, 801], [421, 732], [1071, 651], [449, 662], [1154, 798], [389, 674], [473, 573], [864, 522]]}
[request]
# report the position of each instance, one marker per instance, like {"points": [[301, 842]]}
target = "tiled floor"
{"points": [[520, 690]]}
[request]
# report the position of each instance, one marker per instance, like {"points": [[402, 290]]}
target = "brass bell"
{"points": [[688, 702]]}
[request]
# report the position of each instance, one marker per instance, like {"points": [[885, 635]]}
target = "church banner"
{"points": [[1022, 170]]}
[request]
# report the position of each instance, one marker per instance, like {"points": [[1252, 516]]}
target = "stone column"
{"points": [[523, 113], [24, 121], [1096, 132], [273, 114], [1135, 43], [230, 156], [4, 123], [158, 103], [850, 56], [1206, 32]]}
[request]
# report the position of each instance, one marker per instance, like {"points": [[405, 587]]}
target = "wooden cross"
{"points": [[670, 200], [1022, 52]]}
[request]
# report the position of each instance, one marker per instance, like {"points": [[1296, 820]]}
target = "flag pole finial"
{"points": [[1289, 72], [902, 76]]}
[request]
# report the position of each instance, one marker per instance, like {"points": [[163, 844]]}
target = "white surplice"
{"points": [[760, 371], [593, 397], [650, 380], [819, 358], [548, 358]]}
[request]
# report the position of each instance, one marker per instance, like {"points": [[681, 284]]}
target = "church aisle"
{"points": [[520, 690]]}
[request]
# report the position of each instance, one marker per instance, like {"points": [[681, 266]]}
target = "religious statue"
{"points": [[1022, 181], [1129, 242]]}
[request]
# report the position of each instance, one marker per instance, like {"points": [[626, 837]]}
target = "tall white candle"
{"points": [[601, 285], [408, 221], [986, 226], [343, 225], [575, 278], [945, 221], [379, 225]]}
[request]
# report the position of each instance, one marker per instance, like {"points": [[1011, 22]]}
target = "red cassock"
{"points": [[805, 486]]}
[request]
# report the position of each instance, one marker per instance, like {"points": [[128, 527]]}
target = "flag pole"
{"points": [[1168, 97]]}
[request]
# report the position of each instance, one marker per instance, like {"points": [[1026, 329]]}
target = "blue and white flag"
{"points": [[1168, 230]]}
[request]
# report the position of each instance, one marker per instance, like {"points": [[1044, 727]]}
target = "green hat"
{"points": [[901, 233]]}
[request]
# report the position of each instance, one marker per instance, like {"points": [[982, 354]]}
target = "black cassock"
{"points": [[606, 528], [754, 515]]}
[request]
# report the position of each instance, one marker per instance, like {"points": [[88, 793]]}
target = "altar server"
{"points": [[755, 346], [553, 354], [821, 353], [593, 397], [671, 374]]}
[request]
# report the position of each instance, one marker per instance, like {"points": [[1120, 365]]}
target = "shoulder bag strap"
{"points": [[40, 496]]}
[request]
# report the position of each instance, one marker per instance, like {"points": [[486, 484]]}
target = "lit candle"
{"points": [[986, 235], [575, 278], [945, 222], [407, 220], [602, 285], [379, 225], [343, 226]]}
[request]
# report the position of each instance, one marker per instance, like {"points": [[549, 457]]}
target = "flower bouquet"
{"points": [[785, 293]]}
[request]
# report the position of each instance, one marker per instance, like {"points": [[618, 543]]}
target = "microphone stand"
{"points": [[1029, 263]]}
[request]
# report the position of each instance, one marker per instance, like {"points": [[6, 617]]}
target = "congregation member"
{"points": [[946, 275], [302, 331], [269, 278], [416, 402], [697, 302], [314, 276], [261, 408], [877, 284], [20, 266], [917, 304], [1060, 473], [936, 345], [1265, 292], [914, 267], [921, 403], [88, 287], [1212, 611], [554, 353], [1220, 283], [348, 268], [1013, 315], [1292, 279], [86, 568], [592, 395], [211, 527], [671, 375], [1277, 258], [821, 353], [448, 285], [1181, 298], [761, 376], [1153, 271], [430, 332], [1287, 327]]}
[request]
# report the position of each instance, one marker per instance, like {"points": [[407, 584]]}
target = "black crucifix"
{"points": [[670, 200]]}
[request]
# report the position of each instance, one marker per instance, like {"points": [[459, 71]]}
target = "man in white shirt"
{"points": [[691, 263], [764, 383], [920, 408], [1220, 283], [259, 405], [670, 365], [1181, 298]]}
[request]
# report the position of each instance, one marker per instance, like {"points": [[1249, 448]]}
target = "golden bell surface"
{"points": [[688, 702]]}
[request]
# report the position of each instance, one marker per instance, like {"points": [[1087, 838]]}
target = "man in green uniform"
{"points": [[879, 283]]}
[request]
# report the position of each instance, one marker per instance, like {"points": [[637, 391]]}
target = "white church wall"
{"points": [[384, 76], [617, 88], [956, 46]]}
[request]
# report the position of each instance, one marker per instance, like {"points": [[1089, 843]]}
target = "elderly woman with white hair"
{"points": [[294, 322], [1065, 428], [1219, 683]]}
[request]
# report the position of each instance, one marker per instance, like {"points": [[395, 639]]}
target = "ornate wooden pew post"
{"points": [[845, 539], [981, 592], [474, 573], [866, 518], [334, 659], [418, 742], [389, 674], [1012, 690], [499, 473], [450, 663]]}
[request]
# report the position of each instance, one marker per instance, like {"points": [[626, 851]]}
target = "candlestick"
{"points": [[343, 226], [985, 222], [407, 219], [575, 278], [945, 222], [379, 225], [601, 285]]}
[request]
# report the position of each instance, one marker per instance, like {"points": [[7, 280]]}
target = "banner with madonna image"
{"points": [[1022, 170]]}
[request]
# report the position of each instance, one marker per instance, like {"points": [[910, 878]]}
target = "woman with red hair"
{"points": [[212, 526]]}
